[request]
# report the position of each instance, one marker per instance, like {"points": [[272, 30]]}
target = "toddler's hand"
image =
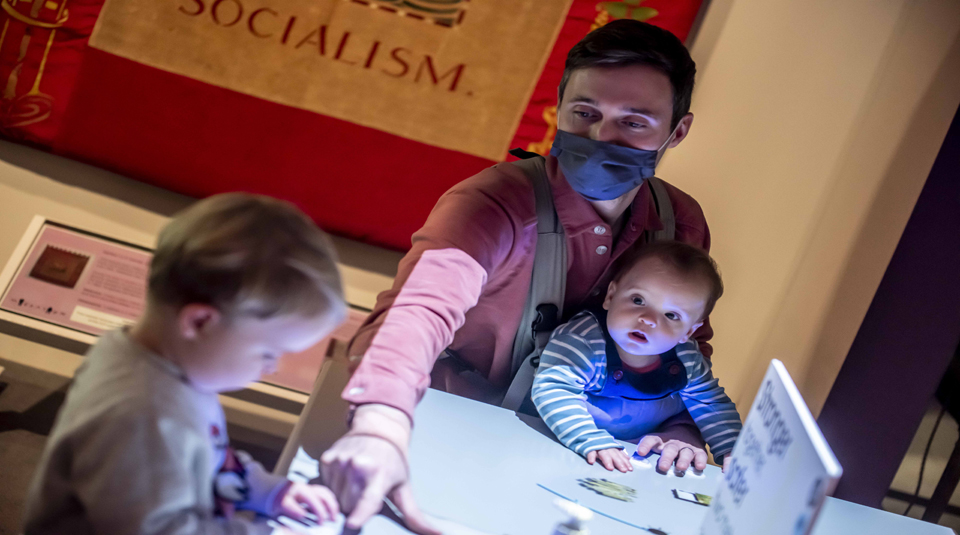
{"points": [[301, 499], [611, 458]]}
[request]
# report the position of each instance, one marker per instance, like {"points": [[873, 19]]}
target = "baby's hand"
{"points": [[301, 501], [611, 458]]}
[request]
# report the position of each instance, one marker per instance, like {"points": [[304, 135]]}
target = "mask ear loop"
{"points": [[662, 150]]}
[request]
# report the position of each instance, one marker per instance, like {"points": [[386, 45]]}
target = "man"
{"points": [[624, 99]]}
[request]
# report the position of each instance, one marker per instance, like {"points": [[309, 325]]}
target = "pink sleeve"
{"points": [[467, 237], [421, 322]]}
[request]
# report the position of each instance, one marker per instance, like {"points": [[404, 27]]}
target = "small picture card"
{"points": [[610, 489], [693, 497]]}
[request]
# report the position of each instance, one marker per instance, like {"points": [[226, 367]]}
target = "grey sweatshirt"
{"points": [[135, 450]]}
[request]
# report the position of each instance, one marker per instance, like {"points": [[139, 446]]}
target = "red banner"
{"points": [[157, 122]]}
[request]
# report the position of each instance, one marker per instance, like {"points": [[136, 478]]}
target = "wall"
{"points": [[906, 342], [816, 124], [33, 182]]}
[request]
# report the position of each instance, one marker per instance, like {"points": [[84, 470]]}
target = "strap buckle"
{"points": [[548, 318]]}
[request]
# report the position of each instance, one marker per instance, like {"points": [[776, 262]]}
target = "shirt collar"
{"points": [[578, 216], [165, 365]]}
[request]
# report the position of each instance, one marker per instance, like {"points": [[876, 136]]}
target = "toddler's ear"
{"points": [[693, 329], [612, 289], [195, 319]]}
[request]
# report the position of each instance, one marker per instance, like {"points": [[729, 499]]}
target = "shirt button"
{"points": [[356, 391], [602, 249], [599, 229]]}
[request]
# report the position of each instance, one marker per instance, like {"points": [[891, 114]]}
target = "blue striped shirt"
{"points": [[574, 363]]}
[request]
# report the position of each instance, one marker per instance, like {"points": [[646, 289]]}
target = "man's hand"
{"points": [[671, 451], [611, 458], [369, 463], [301, 499]]}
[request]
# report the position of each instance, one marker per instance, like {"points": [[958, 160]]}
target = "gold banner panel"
{"points": [[455, 74]]}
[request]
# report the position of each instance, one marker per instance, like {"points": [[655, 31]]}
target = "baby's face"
{"points": [[233, 352], [651, 308]]}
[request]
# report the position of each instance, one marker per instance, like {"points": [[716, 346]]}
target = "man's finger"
{"points": [[667, 456], [592, 457], [369, 504], [648, 444], [334, 476], [402, 497], [684, 456], [726, 463], [700, 460]]}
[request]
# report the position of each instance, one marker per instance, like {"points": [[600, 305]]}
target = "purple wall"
{"points": [[905, 343]]}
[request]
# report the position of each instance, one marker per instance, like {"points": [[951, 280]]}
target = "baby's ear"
{"points": [[195, 319], [693, 329], [611, 289]]}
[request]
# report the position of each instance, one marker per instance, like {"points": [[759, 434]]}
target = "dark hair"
{"points": [[688, 260], [627, 42]]}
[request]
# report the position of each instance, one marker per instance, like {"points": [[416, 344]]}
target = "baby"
{"points": [[140, 445], [620, 372]]}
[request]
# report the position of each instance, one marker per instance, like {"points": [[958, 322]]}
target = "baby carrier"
{"points": [[544, 307]]}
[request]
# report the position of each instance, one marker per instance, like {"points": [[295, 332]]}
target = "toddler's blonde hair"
{"points": [[247, 255]]}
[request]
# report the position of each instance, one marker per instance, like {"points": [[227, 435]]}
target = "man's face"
{"points": [[628, 106]]}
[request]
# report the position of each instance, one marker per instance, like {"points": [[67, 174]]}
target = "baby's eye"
{"points": [[638, 301], [673, 316]]}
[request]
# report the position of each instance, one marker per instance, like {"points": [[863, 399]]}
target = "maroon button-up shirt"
{"points": [[464, 282]]}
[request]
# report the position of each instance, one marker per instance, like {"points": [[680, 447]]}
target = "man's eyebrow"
{"points": [[642, 111], [639, 111]]}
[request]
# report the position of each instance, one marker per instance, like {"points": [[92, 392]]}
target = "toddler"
{"points": [[140, 445]]}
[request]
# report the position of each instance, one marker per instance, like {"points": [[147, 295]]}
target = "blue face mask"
{"points": [[602, 171]]}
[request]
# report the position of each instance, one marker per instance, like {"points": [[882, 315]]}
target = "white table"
{"points": [[480, 466]]}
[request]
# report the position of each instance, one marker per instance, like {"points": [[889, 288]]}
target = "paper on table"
{"points": [[635, 499], [327, 528], [304, 469]]}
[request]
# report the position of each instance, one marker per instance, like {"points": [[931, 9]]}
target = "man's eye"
{"points": [[638, 300], [636, 125], [672, 316], [582, 114]]}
